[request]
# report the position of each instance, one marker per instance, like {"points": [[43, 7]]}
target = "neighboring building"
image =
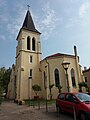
{"points": [[30, 69], [86, 74]]}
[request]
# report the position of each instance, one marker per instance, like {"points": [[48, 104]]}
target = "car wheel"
{"points": [[59, 109], [83, 116]]}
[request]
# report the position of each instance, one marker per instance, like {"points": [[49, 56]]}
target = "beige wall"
{"points": [[54, 63], [23, 65], [86, 74]]}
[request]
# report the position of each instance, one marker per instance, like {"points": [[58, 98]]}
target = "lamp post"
{"points": [[66, 66]]}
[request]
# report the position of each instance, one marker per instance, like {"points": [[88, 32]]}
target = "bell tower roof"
{"points": [[28, 23]]}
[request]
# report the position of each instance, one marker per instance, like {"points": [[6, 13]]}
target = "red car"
{"points": [[78, 103]]}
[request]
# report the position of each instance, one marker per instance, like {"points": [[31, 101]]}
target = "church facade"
{"points": [[30, 69]]}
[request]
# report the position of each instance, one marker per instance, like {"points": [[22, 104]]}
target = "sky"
{"points": [[63, 24]]}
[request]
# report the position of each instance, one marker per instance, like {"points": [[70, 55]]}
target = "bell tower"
{"points": [[28, 57]]}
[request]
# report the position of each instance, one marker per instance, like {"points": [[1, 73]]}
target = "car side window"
{"points": [[69, 98], [61, 96]]}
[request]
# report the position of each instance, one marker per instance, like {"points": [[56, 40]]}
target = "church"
{"points": [[30, 69]]}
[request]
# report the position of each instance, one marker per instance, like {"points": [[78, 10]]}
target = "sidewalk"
{"points": [[12, 111]]}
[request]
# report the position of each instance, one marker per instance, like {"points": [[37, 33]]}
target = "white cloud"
{"points": [[11, 21], [14, 25], [48, 21], [73, 1], [83, 9], [12, 28], [80, 18], [3, 12]]}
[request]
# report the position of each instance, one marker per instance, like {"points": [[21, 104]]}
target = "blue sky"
{"points": [[63, 24]]}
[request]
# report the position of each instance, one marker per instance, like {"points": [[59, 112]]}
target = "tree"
{"points": [[2, 71], [82, 84], [36, 88], [5, 78], [1, 92], [50, 88]]}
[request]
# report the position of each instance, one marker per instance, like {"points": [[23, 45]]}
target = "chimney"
{"points": [[75, 50], [85, 68]]}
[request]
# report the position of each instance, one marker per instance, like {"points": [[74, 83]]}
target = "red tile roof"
{"points": [[59, 54]]}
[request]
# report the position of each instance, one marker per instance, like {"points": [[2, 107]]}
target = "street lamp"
{"points": [[66, 66]]}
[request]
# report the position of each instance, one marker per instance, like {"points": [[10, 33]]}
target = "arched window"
{"points": [[73, 77], [28, 43], [33, 44], [56, 73]]}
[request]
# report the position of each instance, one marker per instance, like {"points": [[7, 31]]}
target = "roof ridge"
{"points": [[58, 54]]}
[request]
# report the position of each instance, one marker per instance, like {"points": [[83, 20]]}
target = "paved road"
{"points": [[12, 111]]}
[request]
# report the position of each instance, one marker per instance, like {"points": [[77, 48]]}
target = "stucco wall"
{"points": [[56, 63]]}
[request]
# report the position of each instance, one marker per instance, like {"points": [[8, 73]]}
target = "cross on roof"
{"points": [[28, 6]]}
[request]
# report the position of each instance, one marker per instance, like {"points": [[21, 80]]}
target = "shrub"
{"points": [[36, 88]]}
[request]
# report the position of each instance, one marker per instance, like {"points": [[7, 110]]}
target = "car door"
{"points": [[69, 103], [61, 100], [72, 104]]}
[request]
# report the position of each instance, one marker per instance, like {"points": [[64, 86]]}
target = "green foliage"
{"points": [[1, 92], [82, 84], [33, 102], [36, 88], [5, 78]]}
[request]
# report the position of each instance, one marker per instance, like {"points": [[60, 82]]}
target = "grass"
{"points": [[39, 102]]}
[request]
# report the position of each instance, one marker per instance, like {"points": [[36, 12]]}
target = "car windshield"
{"points": [[83, 97]]}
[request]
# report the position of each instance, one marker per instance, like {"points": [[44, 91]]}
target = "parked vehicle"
{"points": [[78, 103], [88, 93]]}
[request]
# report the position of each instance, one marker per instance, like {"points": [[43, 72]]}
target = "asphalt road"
{"points": [[12, 111]]}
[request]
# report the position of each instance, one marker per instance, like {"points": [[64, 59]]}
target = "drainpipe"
{"points": [[48, 70], [49, 83]]}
